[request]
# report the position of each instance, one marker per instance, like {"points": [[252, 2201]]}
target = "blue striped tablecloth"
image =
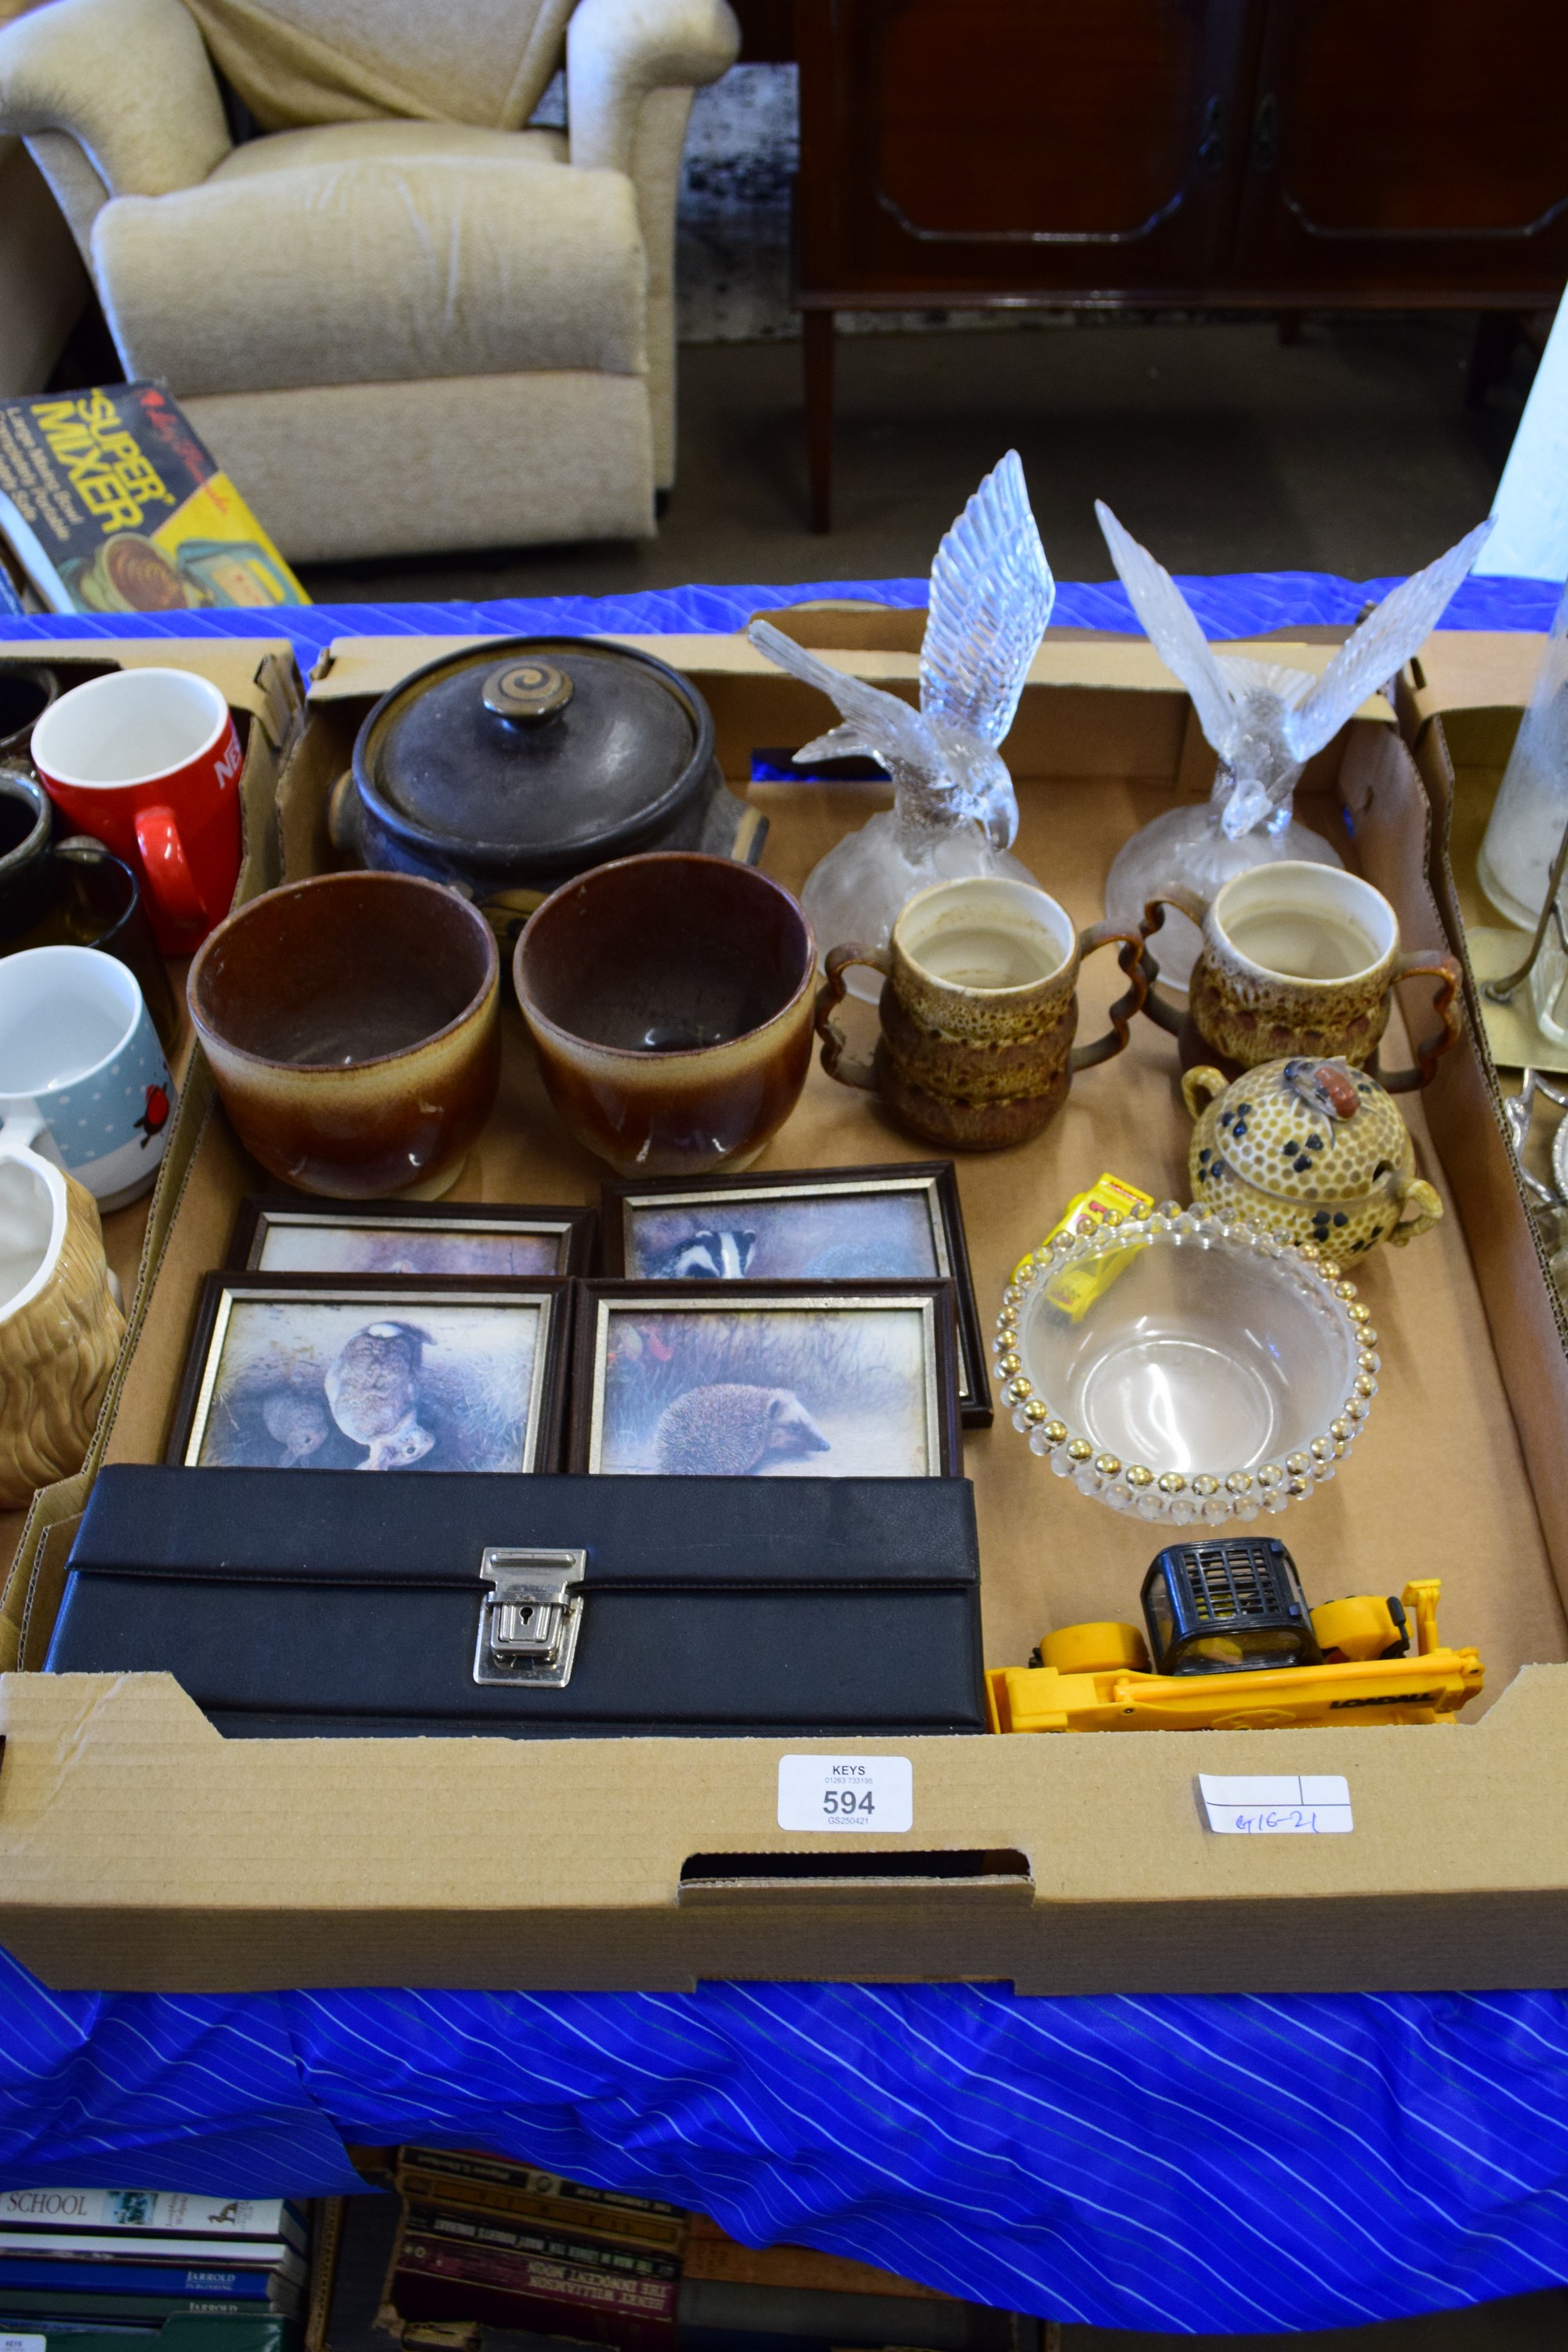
{"points": [[1210, 2165]]}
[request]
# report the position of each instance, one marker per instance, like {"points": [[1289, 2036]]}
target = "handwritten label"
{"points": [[1276, 1804], [846, 1792]]}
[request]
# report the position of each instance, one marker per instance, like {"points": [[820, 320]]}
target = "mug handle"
{"points": [[1445, 972], [1186, 902], [1201, 1085], [169, 876], [1419, 1195], [20, 1129], [849, 1069], [1104, 934]]}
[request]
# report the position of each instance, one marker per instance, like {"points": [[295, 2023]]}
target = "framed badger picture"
{"points": [[780, 1380], [900, 1222]]}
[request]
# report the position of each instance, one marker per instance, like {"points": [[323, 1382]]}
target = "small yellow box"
{"points": [[1108, 1200]]}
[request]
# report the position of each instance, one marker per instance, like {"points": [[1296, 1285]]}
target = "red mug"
{"points": [[147, 761]]}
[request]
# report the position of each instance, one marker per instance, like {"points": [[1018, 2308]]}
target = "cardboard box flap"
{"points": [[255, 673], [371, 666], [1475, 669]]}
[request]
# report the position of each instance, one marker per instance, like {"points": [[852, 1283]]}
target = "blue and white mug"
{"points": [[81, 1069]]}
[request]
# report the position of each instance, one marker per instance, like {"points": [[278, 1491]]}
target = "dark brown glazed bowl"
{"points": [[671, 999], [352, 1026]]}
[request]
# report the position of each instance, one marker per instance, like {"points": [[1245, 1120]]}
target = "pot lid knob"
{"points": [[528, 690]]}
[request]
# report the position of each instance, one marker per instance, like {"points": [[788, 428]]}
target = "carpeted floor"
{"points": [[1350, 450]]}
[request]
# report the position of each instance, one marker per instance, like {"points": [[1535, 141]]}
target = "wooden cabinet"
{"points": [[1407, 153], [1264, 153]]}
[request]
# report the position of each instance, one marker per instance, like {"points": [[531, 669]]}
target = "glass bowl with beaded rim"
{"points": [[1186, 1366]]}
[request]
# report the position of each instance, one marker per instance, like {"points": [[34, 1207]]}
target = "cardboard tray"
{"points": [[266, 694], [138, 1849]]}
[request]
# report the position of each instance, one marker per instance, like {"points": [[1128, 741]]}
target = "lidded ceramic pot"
{"points": [[1313, 1151], [509, 767]]}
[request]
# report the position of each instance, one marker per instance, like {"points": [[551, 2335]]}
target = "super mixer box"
{"points": [[144, 1845]]}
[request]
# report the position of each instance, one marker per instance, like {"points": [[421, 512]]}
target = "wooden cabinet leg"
{"points": [[816, 350]]}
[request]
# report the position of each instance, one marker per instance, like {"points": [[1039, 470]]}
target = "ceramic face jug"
{"points": [[1314, 1150], [60, 1327]]}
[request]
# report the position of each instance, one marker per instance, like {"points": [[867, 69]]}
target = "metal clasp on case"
{"points": [[529, 1624]]}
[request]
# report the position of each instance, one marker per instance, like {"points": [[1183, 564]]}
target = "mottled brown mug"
{"points": [[670, 998], [979, 1012], [352, 1026], [1296, 959]]}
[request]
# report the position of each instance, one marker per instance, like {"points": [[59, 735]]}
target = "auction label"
{"points": [[1276, 1804], [846, 1792]]}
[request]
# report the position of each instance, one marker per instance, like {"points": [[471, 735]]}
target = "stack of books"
{"points": [[201, 2273], [482, 2239]]}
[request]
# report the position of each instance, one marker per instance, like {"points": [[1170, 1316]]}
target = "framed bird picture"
{"points": [[902, 1222], [424, 1373], [779, 1379]]}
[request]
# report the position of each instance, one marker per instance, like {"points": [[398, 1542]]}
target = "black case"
{"points": [[344, 1603]]}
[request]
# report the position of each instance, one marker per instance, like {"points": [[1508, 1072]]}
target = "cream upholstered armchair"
{"points": [[401, 318]]}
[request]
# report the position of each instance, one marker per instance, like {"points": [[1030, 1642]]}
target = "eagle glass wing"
{"points": [[991, 598]]}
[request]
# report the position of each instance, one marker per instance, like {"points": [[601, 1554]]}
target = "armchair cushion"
{"points": [[302, 61], [376, 253], [127, 79]]}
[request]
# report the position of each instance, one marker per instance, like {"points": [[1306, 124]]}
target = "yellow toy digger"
{"points": [[1232, 1645]]}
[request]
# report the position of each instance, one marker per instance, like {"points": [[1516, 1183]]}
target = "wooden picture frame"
{"points": [[268, 1219], [643, 1349], [265, 1389], [932, 1185]]}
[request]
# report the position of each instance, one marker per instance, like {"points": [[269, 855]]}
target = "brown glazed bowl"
{"points": [[671, 999], [352, 1026]]}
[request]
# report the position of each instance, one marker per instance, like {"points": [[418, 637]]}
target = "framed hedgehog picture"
{"points": [[692, 1378], [805, 1224], [425, 1372]]}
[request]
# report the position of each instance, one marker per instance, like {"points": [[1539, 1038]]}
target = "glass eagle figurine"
{"points": [[955, 812], [1265, 722]]}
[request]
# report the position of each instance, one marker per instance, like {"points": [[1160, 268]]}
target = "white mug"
{"points": [[83, 1076]]}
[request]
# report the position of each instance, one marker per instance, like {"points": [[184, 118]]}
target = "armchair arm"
{"points": [[127, 79], [631, 67], [619, 51]]}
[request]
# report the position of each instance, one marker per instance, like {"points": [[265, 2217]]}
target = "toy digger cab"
{"points": [[1223, 1607]]}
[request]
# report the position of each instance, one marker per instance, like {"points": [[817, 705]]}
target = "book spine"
{"points": [[62, 2277], [150, 2309], [168, 2211], [462, 2234], [486, 2197], [206, 2332], [467, 2164], [541, 2297], [29, 550], [150, 2246]]}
